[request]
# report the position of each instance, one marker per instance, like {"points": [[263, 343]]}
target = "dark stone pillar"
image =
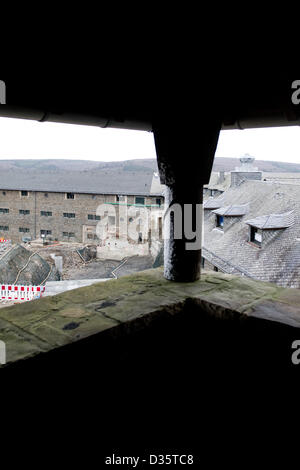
{"points": [[185, 156], [182, 256]]}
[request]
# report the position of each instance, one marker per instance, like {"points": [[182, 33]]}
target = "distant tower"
{"points": [[246, 163], [247, 171]]}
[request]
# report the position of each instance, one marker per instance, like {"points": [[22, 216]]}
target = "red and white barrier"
{"points": [[21, 293]]}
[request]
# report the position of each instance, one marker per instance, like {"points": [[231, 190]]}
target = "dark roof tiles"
{"points": [[273, 221], [278, 259], [213, 203], [100, 182], [233, 210]]}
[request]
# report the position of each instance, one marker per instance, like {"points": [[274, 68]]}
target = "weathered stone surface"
{"points": [[41, 325]]}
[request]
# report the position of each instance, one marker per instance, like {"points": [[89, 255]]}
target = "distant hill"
{"points": [[228, 164], [136, 165], [146, 164]]}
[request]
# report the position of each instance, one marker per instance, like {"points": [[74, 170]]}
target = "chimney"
{"points": [[221, 176]]}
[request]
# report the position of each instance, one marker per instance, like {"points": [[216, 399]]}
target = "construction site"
{"points": [[34, 269]]}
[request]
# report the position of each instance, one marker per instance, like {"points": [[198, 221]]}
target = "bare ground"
{"points": [[74, 268]]}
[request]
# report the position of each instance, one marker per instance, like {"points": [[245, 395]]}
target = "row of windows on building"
{"points": [[26, 193], [111, 220], [5, 228], [119, 198], [69, 215]]}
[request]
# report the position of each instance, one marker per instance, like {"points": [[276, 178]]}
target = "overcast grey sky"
{"points": [[29, 139]]}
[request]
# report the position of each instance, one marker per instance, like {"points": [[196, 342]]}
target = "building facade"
{"points": [[66, 215]]}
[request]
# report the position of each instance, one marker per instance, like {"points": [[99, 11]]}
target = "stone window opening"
{"points": [[69, 215], [24, 193], [4, 211], [23, 212], [4, 228], [70, 196]]}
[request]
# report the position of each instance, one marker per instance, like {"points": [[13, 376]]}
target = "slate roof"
{"points": [[213, 203], [279, 258], [233, 210], [290, 178], [100, 182], [272, 221], [215, 183]]}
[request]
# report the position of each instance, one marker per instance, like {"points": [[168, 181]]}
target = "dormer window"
{"points": [[232, 213], [272, 223], [255, 236]]}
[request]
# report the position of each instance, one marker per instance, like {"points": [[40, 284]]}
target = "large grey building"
{"points": [[63, 207]]}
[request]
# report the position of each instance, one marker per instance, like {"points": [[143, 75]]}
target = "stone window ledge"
{"points": [[123, 306]]}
